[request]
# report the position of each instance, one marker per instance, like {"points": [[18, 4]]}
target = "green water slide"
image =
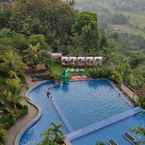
{"points": [[65, 76]]}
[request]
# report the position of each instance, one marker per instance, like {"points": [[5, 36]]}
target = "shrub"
{"points": [[99, 72], [136, 80], [13, 39], [116, 76], [142, 102], [2, 135], [8, 120], [23, 111]]}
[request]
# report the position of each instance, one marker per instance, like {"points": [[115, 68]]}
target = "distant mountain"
{"points": [[126, 17]]}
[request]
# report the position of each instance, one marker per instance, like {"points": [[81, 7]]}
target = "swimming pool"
{"points": [[114, 131], [85, 102], [75, 106]]}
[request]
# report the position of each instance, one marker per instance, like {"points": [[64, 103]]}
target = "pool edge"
{"points": [[38, 116]]}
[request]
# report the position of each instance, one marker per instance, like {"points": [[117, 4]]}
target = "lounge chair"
{"points": [[130, 138], [112, 142]]}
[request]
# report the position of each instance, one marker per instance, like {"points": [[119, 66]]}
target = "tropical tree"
{"points": [[86, 27], [139, 131], [35, 54], [11, 61], [11, 39], [38, 38], [53, 18], [53, 136], [136, 79], [10, 92], [137, 59], [4, 16]]}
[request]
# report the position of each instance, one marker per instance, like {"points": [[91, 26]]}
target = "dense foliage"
{"points": [[12, 79], [86, 33], [124, 17], [52, 18], [30, 30]]}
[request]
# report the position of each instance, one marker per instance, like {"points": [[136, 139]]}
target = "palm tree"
{"points": [[11, 61], [139, 131], [32, 54], [10, 92], [53, 136]]}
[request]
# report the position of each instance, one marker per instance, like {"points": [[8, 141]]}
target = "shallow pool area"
{"points": [[77, 106]]}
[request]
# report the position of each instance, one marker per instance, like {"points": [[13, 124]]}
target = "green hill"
{"points": [[126, 17]]}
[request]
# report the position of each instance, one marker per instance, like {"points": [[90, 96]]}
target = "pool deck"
{"points": [[22, 122]]}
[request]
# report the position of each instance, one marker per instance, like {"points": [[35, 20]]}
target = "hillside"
{"points": [[126, 17]]}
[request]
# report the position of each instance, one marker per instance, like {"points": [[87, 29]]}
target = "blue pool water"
{"points": [[114, 131], [85, 102], [33, 135], [81, 103]]}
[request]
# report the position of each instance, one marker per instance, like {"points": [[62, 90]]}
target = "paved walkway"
{"points": [[21, 123]]}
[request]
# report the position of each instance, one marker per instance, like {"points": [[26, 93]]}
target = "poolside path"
{"points": [[22, 123]]}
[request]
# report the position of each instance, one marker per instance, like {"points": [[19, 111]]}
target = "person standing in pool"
{"points": [[48, 93], [51, 97]]}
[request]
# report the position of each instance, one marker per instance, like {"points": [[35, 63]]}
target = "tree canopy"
{"points": [[54, 18]]}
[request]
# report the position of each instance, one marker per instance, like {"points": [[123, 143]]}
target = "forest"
{"points": [[31, 29], [123, 17]]}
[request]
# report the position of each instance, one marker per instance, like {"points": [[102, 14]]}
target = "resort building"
{"points": [[55, 55], [71, 2], [81, 61]]}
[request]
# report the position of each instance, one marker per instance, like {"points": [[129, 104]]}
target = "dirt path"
{"points": [[23, 122], [20, 124]]}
